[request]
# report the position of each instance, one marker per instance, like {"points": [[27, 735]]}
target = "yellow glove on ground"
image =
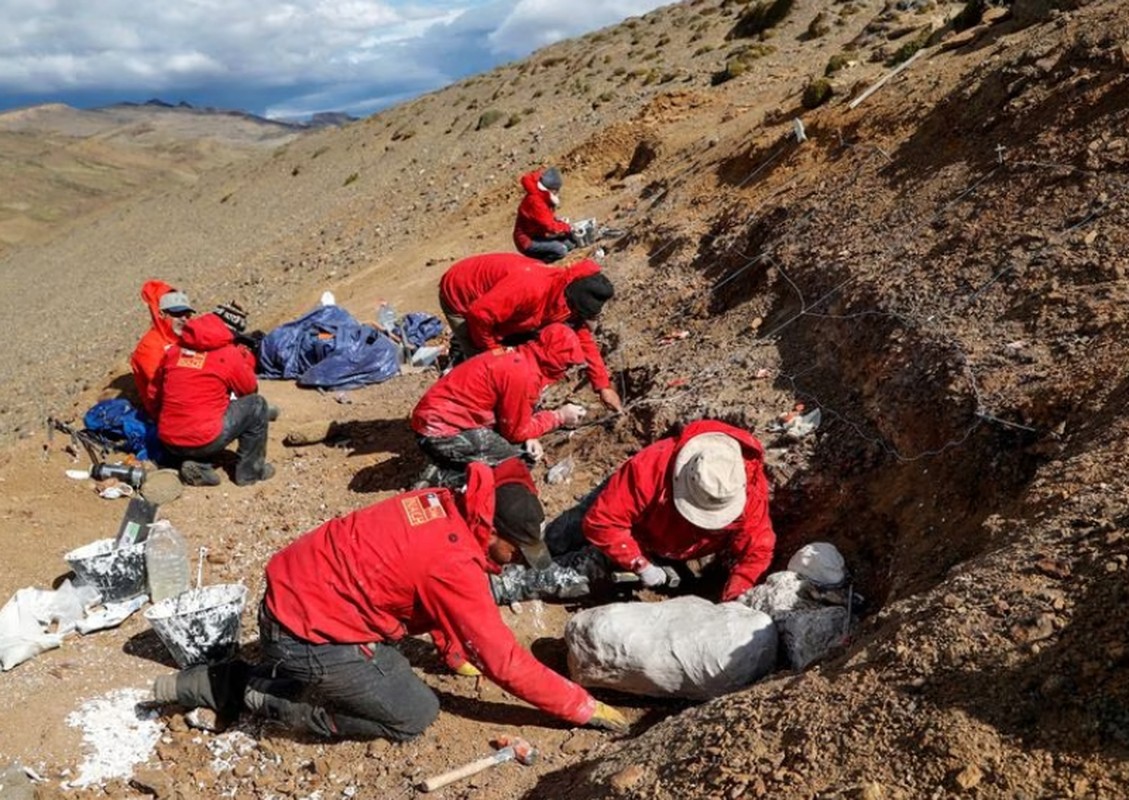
{"points": [[468, 670], [608, 718]]}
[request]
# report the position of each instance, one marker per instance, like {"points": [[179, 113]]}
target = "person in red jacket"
{"points": [[700, 492], [483, 409], [498, 298], [537, 231], [338, 597], [197, 419], [169, 310]]}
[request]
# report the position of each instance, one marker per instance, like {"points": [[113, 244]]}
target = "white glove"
{"points": [[652, 576], [535, 450], [570, 414]]}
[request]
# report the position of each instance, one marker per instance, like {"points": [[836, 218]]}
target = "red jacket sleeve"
{"points": [[242, 379], [458, 599], [597, 371], [609, 521], [154, 392], [514, 410], [541, 215], [751, 550]]}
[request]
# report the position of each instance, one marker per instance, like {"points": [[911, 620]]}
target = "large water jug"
{"points": [[386, 316], [166, 561]]}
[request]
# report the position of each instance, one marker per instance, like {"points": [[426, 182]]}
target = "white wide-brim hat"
{"points": [[709, 480]]}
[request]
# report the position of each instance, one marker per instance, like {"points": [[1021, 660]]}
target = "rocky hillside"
{"points": [[938, 266], [59, 164]]}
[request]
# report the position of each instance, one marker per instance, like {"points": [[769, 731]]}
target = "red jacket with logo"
{"points": [[196, 380], [503, 294], [535, 217], [634, 517], [500, 389], [150, 351], [415, 563]]}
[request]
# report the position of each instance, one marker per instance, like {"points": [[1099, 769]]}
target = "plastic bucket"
{"points": [[200, 626], [118, 573]]}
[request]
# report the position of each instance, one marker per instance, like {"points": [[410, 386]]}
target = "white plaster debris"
{"points": [[228, 748], [115, 734]]}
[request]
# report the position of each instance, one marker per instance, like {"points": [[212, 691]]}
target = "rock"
{"points": [[872, 791], [378, 748], [309, 433], [995, 14], [152, 782], [627, 777], [15, 784], [574, 745], [969, 777]]}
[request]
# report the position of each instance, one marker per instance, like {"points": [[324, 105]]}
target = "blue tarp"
{"points": [[418, 327], [328, 349]]}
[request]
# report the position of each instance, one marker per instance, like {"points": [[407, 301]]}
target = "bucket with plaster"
{"points": [[118, 573], [200, 626]]}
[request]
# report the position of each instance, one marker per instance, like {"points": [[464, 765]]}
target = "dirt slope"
{"points": [[59, 164], [941, 270]]}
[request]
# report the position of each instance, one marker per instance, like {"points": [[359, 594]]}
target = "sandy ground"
{"points": [[958, 320]]}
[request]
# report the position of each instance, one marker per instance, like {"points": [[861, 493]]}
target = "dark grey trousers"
{"points": [[549, 250], [246, 421], [450, 455], [359, 691]]}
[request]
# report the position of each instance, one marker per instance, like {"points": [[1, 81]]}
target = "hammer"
{"points": [[509, 749]]}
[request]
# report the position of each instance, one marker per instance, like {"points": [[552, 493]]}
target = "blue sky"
{"points": [[280, 58]]}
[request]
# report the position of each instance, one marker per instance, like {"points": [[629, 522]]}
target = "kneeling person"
{"points": [[484, 408], [197, 417], [700, 492], [341, 594]]}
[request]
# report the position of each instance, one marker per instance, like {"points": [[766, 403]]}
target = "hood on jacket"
{"points": [[151, 293], [479, 504], [207, 332], [531, 182], [563, 276], [555, 349], [750, 447]]}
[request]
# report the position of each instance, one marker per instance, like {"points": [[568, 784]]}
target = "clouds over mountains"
{"points": [[277, 58]]}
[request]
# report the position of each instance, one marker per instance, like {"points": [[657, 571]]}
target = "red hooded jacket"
{"points": [[196, 379], [500, 389], [415, 563], [150, 351], [535, 217], [635, 515], [502, 294]]}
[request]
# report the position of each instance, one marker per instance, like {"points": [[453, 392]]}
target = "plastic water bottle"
{"points": [[166, 560], [386, 316]]}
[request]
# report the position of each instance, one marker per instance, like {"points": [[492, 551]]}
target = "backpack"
{"points": [[127, 429]]}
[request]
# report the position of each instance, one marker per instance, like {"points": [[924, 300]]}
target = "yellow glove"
{"points": [[609, 718], [468, 670]]}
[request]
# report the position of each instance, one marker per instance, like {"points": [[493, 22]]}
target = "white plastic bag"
{"points": [[686, 647]]}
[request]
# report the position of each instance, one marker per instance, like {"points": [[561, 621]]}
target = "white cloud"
{"points": [[335, 54], [536, 23]]}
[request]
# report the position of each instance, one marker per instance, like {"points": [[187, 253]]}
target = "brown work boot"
{"points": [[194, 473]]}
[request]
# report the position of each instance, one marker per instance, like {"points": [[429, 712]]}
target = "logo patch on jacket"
{"points": [[422, 509], [191, 359]]}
